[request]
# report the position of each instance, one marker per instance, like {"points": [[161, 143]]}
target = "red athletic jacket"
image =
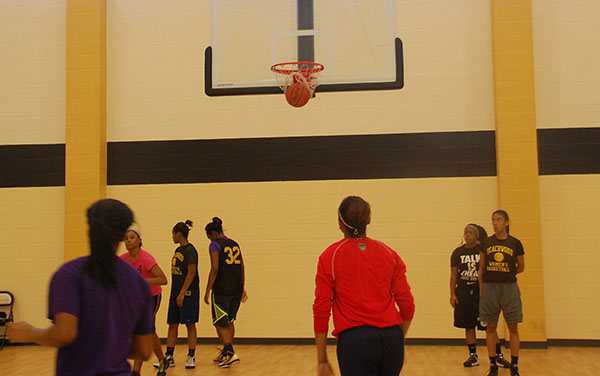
{"points": [[361, 279]]}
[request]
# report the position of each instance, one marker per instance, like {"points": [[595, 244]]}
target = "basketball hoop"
{"points": [[303, 72]]}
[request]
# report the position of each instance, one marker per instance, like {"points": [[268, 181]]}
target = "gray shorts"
{"points": [[500, 296]]}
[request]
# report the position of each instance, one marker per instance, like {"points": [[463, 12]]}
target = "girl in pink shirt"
{"points": [[144, 263]]}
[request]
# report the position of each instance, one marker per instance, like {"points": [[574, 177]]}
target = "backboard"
{"points": [[354, 39]]}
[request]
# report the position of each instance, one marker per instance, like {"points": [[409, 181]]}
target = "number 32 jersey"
{"points": [[230, 277]]}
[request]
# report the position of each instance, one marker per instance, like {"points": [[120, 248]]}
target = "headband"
{"points": [[475, 229], [139, 234], [355, 232]]}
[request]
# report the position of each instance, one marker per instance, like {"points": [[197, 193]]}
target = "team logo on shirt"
{"points": [[498, 256], [471, 272]]}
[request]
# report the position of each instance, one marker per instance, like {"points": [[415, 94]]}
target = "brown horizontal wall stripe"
{"points": [[569, 151], [32, 165], [421, 155], [417, 155]]}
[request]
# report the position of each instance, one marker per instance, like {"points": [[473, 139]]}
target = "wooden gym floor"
{"points": [[269, 360]]}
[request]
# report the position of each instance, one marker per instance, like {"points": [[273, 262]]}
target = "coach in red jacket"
{"points": [[364, 281]]}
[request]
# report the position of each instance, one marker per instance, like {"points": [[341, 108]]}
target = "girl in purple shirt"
{"points": [[99, 305]]}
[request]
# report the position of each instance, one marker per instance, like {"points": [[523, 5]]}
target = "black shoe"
{"points": [[134, 373], [472, 361], [170, 362], [501, 361], [163, 364], [514, 370], [493, 371]]}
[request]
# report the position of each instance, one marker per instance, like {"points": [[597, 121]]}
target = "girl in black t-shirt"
{"points": [[464, 288], [185, 293], [501, 260]]}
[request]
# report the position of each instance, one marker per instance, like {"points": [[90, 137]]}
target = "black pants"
{"points": [[370, 351]]}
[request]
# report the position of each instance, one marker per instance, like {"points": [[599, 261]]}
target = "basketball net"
{"points": [[305, 73]]}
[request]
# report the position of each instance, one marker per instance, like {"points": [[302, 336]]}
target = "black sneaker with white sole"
{"points": [[171, 362], [514, 370], [472, 361], [493, 371], [501, 361]]}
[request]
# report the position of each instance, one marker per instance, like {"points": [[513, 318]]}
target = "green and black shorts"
{"points": [[225, 308]]}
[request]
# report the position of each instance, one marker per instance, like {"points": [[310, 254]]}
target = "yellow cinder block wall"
{"points": [[155, 91], [32, 111], [283, 227], [567, 85]]}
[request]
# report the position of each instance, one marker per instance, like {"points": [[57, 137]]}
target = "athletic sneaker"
{"points": [[514, 370], [472, 361], [170, 359], [190, 362], [229, 359], [163, 364], [493, 371], [219, 357], [501, 361]]}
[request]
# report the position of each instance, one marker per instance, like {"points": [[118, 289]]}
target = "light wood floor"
{"points": [[300, 360]]}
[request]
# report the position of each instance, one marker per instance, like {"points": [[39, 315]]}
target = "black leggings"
{"points": [[370, 351]]}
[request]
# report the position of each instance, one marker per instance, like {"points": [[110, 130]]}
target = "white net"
{"points": [[306, 74]]}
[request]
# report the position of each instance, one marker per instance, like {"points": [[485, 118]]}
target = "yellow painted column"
{"points": [[516, 148], [85, 169]]}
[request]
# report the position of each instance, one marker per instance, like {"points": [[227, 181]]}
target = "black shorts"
{"points": [[156, 303], [466, 311], [156, 299], [187, 314], [225, 308], [366, 351]]}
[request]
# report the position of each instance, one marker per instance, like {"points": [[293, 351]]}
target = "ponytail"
{"points": [[216, 225], [183, 228], [108, 221]]}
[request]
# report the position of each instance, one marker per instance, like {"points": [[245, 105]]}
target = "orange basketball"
{"points": [[297, 94]]}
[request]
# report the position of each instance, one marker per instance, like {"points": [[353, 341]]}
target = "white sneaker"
{"points": [[190, 362]]}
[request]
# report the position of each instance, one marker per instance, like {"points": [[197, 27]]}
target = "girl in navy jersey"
{"points": [[501, 260], [226, 283], [364, 281]]}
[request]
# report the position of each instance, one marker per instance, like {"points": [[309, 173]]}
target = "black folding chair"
{"points": [[7, 300]]}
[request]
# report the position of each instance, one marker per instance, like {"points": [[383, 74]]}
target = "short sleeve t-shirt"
{"points": [[467, 262], [184, 256], [143, 264], [108, 319], [500, 264]]}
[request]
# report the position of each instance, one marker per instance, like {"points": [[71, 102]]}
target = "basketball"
{"points": [[297, 94]]}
